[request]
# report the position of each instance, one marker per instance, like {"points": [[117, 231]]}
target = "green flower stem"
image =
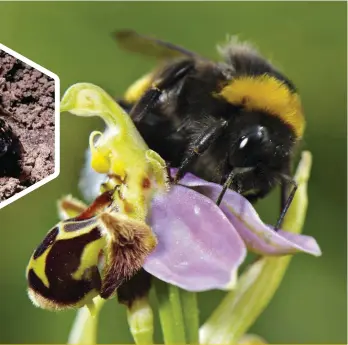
{"points": [[140, 320], [257, 285], [170, 313], [190, 315], [84, 329]]}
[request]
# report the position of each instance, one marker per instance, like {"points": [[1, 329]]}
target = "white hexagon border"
{"points": [[56, 127]]}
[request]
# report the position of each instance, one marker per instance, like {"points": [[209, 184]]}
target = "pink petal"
{"points": [[198, 248], [259, 237]]}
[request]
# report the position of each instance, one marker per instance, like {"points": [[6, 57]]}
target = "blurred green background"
{"points": [[306, 39]]}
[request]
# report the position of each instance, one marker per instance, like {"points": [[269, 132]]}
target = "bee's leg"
{"points": [[171, 180], [286, 198], [200, 145], [225, 186], [169, 78]]}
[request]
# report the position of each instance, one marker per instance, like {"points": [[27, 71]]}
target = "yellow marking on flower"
{"points": [[100, 162], [89, 257], [39, 266]]}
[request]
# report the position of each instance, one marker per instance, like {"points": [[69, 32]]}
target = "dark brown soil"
{"points": [[27, 111]]}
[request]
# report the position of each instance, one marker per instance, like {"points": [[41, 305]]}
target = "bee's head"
{"points": [[259, 140], [267, 119]]}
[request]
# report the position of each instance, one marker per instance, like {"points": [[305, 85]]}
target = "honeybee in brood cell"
{"points": [[6, 137], [11, 149], [235, 122]]}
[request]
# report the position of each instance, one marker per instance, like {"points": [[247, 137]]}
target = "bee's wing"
{"points": [[134, 42]]}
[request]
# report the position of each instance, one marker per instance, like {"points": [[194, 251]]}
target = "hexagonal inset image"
{"points": [[29, 96]]}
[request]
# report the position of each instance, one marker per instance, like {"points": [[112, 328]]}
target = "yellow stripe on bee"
{"points": [[89, 257], [138, 88], [266, 93]]}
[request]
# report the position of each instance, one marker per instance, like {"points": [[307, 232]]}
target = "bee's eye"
{"points": [[250, 147], [254, 137]]}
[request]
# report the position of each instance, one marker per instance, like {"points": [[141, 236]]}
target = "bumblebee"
{"points": [[235, 122]]}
